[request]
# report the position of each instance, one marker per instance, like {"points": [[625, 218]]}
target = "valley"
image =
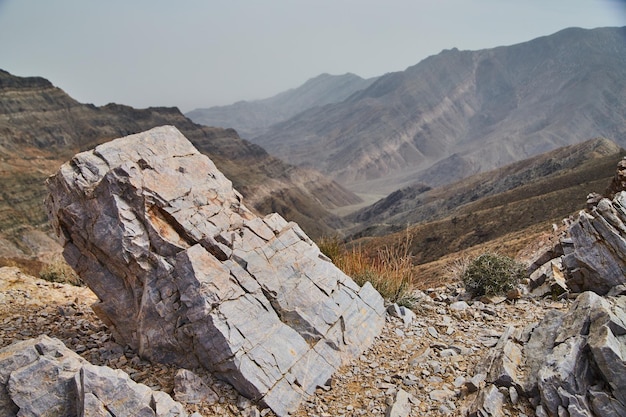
{"points": [[41, 127], [432, 149]]}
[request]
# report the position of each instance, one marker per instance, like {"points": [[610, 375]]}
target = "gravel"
{"points": [[429, 362]]}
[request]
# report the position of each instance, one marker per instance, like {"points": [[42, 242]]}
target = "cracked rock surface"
{"points": [[596, 251], [186, 274], [42, 377]]}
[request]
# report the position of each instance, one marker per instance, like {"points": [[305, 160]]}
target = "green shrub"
{"points": [[492, 274]]}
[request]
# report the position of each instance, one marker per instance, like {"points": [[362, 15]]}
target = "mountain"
{"points": [[463, 112], [41, 127], [252, 118], [514, 200]]}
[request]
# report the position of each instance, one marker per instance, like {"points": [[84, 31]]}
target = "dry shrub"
{"points": [[59, 271], [389, 269], [332, 247]]}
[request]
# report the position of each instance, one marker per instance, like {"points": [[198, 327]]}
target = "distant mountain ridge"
{"points": [[42, 127], [462, 112], [419, 203], [252, 118]]}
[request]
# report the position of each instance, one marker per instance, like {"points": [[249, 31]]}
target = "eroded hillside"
{"points": [[41, 127]]}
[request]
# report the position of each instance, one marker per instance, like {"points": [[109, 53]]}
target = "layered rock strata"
{"points": [[596, 260], [186, 274], [590, 256]]}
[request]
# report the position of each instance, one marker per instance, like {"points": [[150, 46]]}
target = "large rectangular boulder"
{"points": [[186, 274]]}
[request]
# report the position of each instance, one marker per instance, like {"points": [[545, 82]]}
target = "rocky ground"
{"points": [[428, 360]]}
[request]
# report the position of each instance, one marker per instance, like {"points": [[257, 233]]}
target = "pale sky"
{"points": [[201, 53]]}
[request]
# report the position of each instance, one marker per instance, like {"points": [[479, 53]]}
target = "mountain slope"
{"points": [[251, 118], [524, 196], [419, 203], [463, 112], [41, 127]]}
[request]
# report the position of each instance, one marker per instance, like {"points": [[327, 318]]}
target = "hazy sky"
{"points": [[200, 53]]}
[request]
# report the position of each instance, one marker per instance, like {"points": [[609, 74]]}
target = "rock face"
{"points": [[573, 363], [591, 254], [186, 274], [41, 377], [597, 261]]}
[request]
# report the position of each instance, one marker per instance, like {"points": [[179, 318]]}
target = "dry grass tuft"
{"points": [[389, 268]]}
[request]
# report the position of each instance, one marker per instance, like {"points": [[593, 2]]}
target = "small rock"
{"points": [[459, 381], [488, 403], [401, 312], [541, 412], [400, 406], [440, 394], [473, 384], [617, 291], [189, 388], [446, 353], [492, 299], [433, 332], [513, 395]]}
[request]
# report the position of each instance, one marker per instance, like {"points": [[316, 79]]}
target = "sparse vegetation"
{"points": [[389, 269], [59, 271], [492, 274]]}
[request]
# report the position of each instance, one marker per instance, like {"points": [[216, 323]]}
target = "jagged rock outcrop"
{"points": [[186, 274], [591, 254], [598, 236], [618, 183], [42, 377], [571, 364]]}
